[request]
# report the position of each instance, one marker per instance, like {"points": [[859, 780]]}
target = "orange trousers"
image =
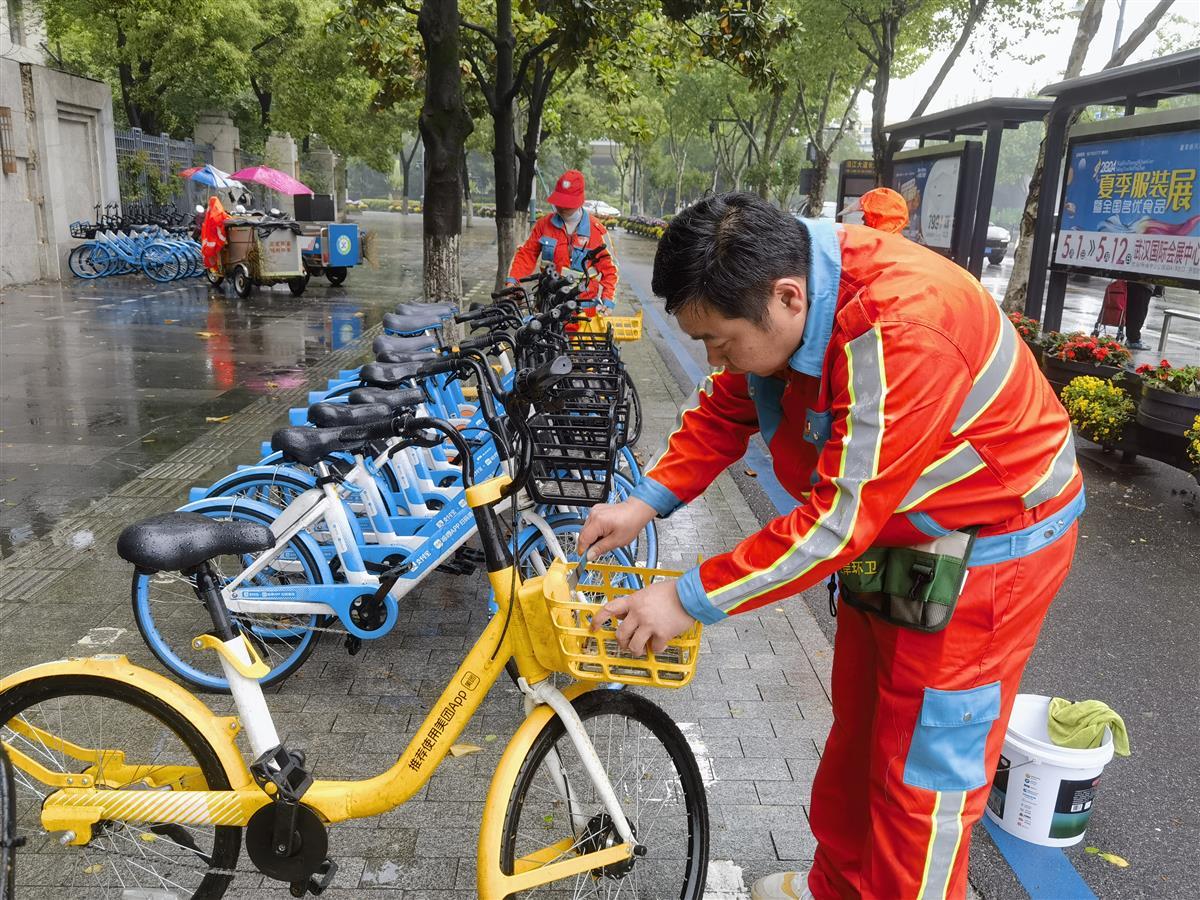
{"points": [[918, 725]]}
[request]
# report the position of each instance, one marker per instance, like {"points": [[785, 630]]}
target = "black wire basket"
{"points": [[573, 455]]}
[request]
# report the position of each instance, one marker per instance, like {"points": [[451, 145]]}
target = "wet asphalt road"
{"points": [[99, 380], [1124, 629]]}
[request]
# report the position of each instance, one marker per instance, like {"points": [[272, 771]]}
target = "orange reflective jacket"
{"points": [[910, 409], [549, 240]]}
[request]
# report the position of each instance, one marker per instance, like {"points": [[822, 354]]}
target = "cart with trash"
{"points": [[263, 252]]}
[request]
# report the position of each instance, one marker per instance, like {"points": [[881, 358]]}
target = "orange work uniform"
{"points": [[550, 241], [911, 409]]}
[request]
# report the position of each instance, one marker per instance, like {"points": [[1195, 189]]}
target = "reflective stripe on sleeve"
{"points": [[858, 464], [961, 462], [1057, 477], [704, 388], [992, 377]]}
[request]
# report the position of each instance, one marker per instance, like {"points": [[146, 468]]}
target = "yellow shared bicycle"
{"points": [[128, 786]]}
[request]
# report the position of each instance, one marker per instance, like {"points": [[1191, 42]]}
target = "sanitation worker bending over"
{"points": [[914, 430]]}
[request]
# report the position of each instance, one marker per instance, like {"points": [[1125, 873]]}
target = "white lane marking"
{"points": [[101, 637], [691, 732], [18, 325], [725, 881], [132, 300], [51, 318]]}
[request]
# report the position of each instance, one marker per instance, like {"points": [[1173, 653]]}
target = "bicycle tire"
{"points": [[626, 707], [8, 829], [174, 659], [94, 692], [79, 261], [633, 428]]}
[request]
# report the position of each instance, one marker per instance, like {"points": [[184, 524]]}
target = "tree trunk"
{"points": [[527, 155], [1018, 280], [445, 125], [466, 180], [883, 78], [816, 187], [679, 180], [404, 202], [504, 143]]}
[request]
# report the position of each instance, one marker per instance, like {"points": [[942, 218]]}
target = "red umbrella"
{"points": [[272, 178], [188, 173]]}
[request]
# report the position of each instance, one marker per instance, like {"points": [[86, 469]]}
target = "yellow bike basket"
{"points": [[595, 656], [626, 328]]}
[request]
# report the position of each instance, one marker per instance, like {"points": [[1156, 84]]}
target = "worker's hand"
{"points": [[649, 618], [611, 525]]}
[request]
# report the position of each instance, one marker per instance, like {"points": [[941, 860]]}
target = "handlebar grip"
{"points": [[532, 384], [483, 342], [476, 314], [439, 367]]}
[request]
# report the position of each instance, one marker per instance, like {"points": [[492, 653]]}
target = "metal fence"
{"points": [[148, 167]]}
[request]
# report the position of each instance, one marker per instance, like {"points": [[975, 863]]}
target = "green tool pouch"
{"points": [[914, 587]]}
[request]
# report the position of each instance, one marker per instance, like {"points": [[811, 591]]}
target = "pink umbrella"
{"points": [[272, 178]]}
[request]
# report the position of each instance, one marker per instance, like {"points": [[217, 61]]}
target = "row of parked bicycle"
{"points": [[161, 255], [506, 436], [131, 216], [349, 511]]}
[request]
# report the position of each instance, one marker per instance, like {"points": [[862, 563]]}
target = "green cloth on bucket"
{"points": [[1081, 725]]}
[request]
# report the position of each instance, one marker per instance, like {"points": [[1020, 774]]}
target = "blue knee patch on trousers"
{"points": [[949, 741]]}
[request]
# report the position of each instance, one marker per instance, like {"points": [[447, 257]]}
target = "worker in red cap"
{"points": [[563, 237]]}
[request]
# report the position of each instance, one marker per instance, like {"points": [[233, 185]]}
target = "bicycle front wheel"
{"points": [[553, 803], [129, 740]]}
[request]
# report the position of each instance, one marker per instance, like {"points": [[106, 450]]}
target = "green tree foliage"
{"points": [[166, 61]]}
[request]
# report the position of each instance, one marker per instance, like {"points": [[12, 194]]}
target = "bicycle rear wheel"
{"points": [[654, 775], [169, 615], [62, 722], [8, 829]]}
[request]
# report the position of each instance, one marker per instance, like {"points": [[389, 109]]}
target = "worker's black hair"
{"points": [[727, 251]]}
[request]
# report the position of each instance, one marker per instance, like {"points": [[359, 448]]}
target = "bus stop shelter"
{"points": [[990, 118], [1142, 85]]}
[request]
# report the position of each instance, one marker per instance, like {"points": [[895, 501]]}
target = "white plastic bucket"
{"points": [[1043, 793]]}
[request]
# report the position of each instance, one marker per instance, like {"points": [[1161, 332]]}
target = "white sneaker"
{"points": [[782, 886]]}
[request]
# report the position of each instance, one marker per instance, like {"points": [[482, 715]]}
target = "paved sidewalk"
{"points": [[756, 713]]}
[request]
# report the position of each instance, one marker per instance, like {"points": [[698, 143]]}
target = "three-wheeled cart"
{"points": [[258, 253], [331, 250]]}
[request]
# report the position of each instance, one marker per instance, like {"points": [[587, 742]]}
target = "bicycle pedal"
{"points": [[317, 882], [469, 554], [455, 568], [353, 644]]}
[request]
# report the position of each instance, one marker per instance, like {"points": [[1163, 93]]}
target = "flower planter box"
{"points": [[1035, 349], [1167, 411], [1060, 372]]}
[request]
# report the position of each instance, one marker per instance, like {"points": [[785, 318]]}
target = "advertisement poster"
{"points": [[855, 178], [930, 188], [1129, 206]]}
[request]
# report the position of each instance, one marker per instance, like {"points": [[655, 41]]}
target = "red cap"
{"points": [[568, 190]]}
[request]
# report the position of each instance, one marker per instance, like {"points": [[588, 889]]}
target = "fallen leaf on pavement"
{"points": [[751, 473], [464, 749], [217, 418], [204, 334]]}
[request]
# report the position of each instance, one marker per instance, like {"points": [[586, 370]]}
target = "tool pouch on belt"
{"points": [[914, 587]]}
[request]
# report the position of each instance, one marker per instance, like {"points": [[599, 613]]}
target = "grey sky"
{"points": [[970, 81]]}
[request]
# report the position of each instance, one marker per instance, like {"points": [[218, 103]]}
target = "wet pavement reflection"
{"points": [[99, 380]]}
